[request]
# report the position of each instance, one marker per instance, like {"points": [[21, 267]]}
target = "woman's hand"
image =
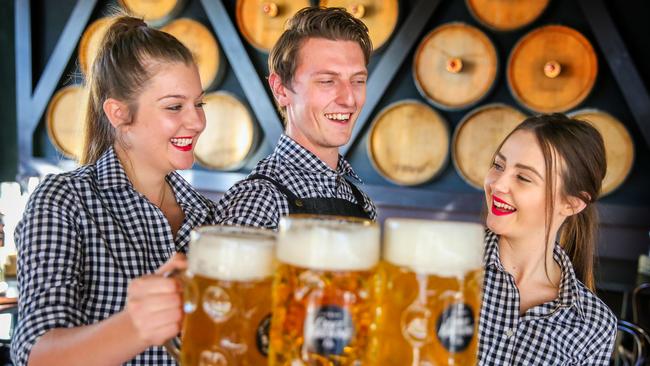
{"points": [[154, 304]]}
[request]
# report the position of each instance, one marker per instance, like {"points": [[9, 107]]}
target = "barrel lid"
{"points": [[64, 120], [619, 146], [380, 16], [552, 69], [200, 41], [91, 41], [262, 22], [408, 142], [502, 15], [154, 12], [229, 133], [478, 136], [455, 66]]}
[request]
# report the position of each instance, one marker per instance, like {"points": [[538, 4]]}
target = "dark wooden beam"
{"points": [[241, 64], [392, 59], [619, 61], [30, 106]]}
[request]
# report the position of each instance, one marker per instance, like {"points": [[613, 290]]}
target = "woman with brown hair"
{"points": [[538, 302], [93, 242]]}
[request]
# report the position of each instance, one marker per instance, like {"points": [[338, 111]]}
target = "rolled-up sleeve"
{"points": [[49, 266]]}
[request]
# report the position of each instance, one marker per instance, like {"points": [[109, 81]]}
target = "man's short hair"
{"points": [[314, 22]]}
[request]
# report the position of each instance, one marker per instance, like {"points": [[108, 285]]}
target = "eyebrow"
{"points": [[326, 72], [521, 166], [179, 96]]}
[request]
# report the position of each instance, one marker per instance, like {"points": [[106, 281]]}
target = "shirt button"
{"points": [[509, 332]]}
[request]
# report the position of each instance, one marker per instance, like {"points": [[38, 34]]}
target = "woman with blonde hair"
{"points": [[93, 242]]}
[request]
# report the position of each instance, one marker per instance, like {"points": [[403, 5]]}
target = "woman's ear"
{"points": [[279, 90], [573, 205], [117, 112]]}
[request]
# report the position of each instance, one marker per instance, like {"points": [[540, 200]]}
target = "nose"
{"points": [[345, 95], [195, 120], [498, 183]]}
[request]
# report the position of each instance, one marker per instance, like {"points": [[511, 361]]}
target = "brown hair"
{"points": [[121, 70], [579, 147], [314, 22]]}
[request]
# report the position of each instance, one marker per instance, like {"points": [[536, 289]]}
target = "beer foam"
{"points": [[328, 244], [232, 253], [441, 248]]}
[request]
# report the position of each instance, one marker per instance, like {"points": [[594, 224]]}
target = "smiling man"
{"points": [[317, 73]]}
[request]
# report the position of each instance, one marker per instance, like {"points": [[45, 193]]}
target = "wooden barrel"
{"points": [[380, 16], [199, 39], [154, 12], [65, 120], [552, 69], [455, 66], [506, 15], [619, 146], [408, 143], [261, 22], [478, 136], [91, 41], [229, 134]]}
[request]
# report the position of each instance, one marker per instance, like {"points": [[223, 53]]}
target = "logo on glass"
{"points": [[455, 327], [328, 330], [262, 335]]}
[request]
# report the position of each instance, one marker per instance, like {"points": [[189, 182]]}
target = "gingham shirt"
{"points": [[577, 328], [83, 236], [259, 203]]}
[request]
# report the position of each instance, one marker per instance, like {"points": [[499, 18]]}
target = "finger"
{"points": [[177, 262], [151, 285], [148, 306], [164, 333], [148, 326]]}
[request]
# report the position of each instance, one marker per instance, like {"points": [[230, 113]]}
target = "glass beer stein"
{"points": [[324, 294], [432, 276], [227, 297]]}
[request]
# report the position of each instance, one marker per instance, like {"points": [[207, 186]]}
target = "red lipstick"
{"points": [[499, 211]]}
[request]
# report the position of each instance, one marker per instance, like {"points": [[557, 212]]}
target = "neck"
{"points": [[145, 179], [329, 155], [528, 261]]}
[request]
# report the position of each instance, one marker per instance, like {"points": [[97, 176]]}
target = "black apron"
{"points": [[320, 206]]}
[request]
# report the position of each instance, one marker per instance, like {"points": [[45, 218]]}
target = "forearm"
{"points": [[112, 341]]}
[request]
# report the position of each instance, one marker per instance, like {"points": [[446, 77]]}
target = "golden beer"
{"points": [[432, 277], [324, 291], [227, 294]]}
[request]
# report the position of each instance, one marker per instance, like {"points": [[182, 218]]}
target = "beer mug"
{"points": [[324, 293], [227, 297], [432, 275]]}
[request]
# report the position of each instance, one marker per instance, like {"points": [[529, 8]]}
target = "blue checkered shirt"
{"points": [[576, 328], [259, 203], [84, 235]]}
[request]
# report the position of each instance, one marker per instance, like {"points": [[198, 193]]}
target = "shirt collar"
{"points": [[491, 254], [568, 293], [110, 173], [295, 154], [569, 288]]}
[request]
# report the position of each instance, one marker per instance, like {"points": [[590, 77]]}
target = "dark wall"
{"points": [[48, 19], [8, 148]]}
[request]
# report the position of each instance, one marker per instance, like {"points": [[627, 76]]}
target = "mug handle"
{"points": [[173, 345]]}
